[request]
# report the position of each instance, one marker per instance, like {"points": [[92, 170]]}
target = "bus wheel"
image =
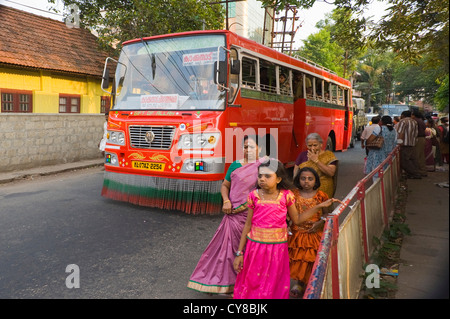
{"points": [[330, 146]]}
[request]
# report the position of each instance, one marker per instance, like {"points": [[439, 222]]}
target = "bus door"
{"points": [[299, 127], [347, 119]]}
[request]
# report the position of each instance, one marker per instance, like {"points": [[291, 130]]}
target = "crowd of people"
{"points": [[266, 245], [272, 221], [424, 145]]}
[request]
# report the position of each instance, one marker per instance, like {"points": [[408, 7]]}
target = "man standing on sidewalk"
{"points": [[407, 134], [420, 141]]}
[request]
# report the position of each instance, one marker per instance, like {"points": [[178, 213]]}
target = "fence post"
{"points": [[383, 197], [334, 258], [361, 197]]}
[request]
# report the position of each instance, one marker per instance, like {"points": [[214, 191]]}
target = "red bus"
{"points": [[181, 104]]}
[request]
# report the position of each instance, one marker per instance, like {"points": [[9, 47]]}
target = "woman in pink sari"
{"points": [[214, 272]]}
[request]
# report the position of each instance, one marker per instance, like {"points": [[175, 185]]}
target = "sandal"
{"points": [[296, 291]]}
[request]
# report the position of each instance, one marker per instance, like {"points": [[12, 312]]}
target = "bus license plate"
{"points": [[149, 166]]}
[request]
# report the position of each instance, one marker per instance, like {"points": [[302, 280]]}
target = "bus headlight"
{"points": [[187, 141], [115, 137], [201, 140]]}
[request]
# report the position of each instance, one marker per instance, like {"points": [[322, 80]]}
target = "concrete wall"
{"points": [[33, 140]]}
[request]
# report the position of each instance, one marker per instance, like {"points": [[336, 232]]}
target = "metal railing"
{"points": [[346, 247]]}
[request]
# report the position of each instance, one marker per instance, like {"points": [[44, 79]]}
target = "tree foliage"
{"points": [[116, 21], [412, 28], [441, 97], [320, 49], [413, 39], [339, 44]]}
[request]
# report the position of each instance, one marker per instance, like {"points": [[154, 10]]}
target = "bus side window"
{"points": [[319, 89], [234, 78], [267, 76], [298, 84], [333, 93], [284, 81], [327, 91], [248, 73], [309, 86]]}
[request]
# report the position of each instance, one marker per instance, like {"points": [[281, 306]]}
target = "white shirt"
{"points": [[368, 131]]}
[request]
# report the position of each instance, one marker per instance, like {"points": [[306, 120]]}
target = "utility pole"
{"points": [[284, 39]]}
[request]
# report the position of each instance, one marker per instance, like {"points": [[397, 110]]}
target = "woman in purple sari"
{"points": [[214, 272]]}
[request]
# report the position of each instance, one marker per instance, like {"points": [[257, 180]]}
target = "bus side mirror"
{"points": [[235, 67], [105, 78], [220, 73]]}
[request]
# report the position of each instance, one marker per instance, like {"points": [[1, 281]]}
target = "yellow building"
{"points": [[48, 67]]}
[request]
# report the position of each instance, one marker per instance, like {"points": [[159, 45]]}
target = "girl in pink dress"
{"points": [[263, 269]]}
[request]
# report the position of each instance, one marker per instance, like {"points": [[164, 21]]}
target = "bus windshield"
{"points": [[171, 73], [394, 109]]}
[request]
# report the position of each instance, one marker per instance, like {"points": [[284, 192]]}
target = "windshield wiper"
{"points": [[152, 58]]}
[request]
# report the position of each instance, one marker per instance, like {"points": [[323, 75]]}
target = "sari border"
{"points": [[215, 289], [268, 235]]}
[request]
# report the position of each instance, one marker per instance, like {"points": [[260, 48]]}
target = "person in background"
{"points": [[284, 84], [368, 131], [420, 141], [436, 142], [323, 161], [396, 120], [407, 134], [376, 157], [305, 239], [430, 145], [443, 144], [102, 144]]}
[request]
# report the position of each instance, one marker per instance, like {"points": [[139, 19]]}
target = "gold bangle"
{"points": [[226, 201]]}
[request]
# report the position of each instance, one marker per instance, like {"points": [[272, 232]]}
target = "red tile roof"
{"points": [[34, 41]]}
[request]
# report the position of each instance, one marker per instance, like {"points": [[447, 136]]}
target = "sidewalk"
{"points": [[6, 177], [424, 269]]}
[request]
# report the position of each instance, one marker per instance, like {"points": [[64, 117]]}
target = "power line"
{"points": [[30, 7]]}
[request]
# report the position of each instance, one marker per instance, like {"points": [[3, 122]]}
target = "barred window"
{"points": [[16, 101], [105, 104], [69, 103]]}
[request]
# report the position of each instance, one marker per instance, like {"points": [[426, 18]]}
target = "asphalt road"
{"points": [[113, 249]]}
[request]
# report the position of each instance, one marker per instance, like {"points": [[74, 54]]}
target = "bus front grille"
{"points": [[147, 136]]}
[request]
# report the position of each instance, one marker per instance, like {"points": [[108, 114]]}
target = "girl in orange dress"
{"points": [[305, 239]]}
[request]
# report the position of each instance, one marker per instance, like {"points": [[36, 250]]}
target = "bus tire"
{"points": [[330, 144]]}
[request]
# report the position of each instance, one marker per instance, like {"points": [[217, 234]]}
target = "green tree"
{"points": [[348, 33], [441, 97], [411, 28], [319, 48], [415, 28], [116, 21], [371, 68], [416, 80]]}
